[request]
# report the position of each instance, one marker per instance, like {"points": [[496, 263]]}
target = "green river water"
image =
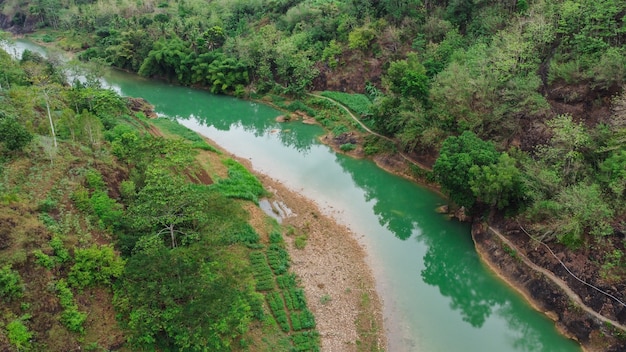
{"points": [[437, 295]]}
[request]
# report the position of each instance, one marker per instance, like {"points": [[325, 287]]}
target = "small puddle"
{"points": [[276, 209]]}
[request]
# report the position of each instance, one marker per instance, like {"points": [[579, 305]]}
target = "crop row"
{"points": [[277, 306], [287, 280], [302, 320], [278, 259], [262, 272], [306, 341], [294, 297]]}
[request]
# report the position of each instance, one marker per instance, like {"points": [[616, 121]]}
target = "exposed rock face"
{"points": [[546, 296]]}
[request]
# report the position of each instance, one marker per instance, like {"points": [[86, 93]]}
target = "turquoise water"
{"points": [[437, 294]]}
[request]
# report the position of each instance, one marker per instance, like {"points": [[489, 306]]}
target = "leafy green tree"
{"points": [[13, 135], [457, 157], [497, 184], [168, 204], [408, 78], [186, 298]]}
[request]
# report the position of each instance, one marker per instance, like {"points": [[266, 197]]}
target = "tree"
{"points": [[498, 184], [457, 156], [186, 298], [168, 204], [13, 135]]}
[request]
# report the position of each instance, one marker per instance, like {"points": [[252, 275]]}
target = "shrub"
{"points": [[62, 254], [347, 147], [18, 333], [11, 285], [70, 317], [94, 180], [95, 266], [43, 259]]}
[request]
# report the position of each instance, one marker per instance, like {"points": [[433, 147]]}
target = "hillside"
{"points": [[118, 232]]}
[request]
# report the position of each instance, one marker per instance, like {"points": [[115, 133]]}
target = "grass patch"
{"points": [[241, 183], [357, 103], [175, 128]]}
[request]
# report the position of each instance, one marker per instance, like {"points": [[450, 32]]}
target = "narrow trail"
{"points": [[550, 275], [558, 281], [404, 156]]}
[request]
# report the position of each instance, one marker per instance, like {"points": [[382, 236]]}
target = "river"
{"points": [[437, 295]]}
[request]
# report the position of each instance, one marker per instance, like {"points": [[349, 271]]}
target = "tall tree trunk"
{"points": [[54, 136]]}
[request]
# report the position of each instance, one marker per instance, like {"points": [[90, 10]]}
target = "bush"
{"points": [[43, 259], [62, 254], [347, 147], [13, 135], [18, 333], [95, 266], [94, 181], [70, 317], [11, 285]]}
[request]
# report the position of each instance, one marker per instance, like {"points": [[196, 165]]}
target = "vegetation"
{"points": [[518, 105], [113, 235]]}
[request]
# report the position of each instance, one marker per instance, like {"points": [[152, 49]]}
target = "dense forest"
{"points": [[518, 106]]}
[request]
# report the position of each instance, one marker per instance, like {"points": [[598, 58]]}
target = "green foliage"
{"points": [[346, 147], [497, 184], [176, 128], [286, 281], [94, 180], [361, 38], [18, 333], [43, 259], [262, 272], [302, 320], [13, 135], [241, 232], [106, 209], [277, 306], [329, 55], [181, 299], [61, 253], [71, 317], [294, 299], [240, 183], [169, 205], [95, 266], [358, 103], [456, 158], [306, 341], [11, 285], [278, 258], [276, 238]]}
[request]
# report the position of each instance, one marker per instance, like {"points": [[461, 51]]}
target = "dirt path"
{"points": [[404, 156], [558, 281]]}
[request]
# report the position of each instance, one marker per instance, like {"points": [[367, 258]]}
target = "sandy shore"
{"points": [[338, 283]]}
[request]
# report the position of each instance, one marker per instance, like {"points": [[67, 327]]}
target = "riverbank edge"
{"points": [[539, 291], [332, 268]]}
